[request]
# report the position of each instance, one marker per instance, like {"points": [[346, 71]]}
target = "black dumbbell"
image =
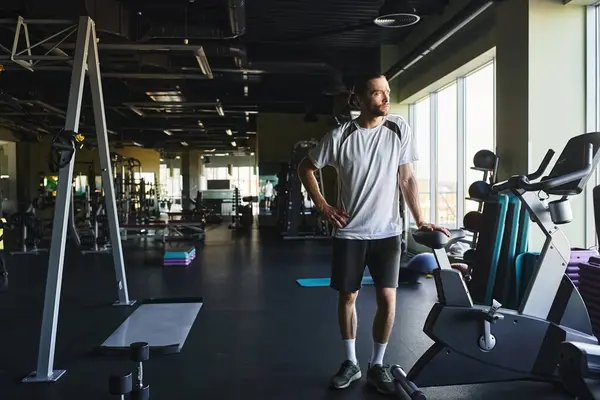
{"points": [[139, 352], [120, 385]]}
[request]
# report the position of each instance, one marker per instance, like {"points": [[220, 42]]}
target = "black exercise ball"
{"points": [[473, 221], [485, 160], [479, 190]]}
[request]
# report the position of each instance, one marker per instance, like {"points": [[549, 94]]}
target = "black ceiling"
{"points": [[265, 56]]}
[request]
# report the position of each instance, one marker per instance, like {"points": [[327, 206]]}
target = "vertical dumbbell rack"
{"points": [[490, 176]]}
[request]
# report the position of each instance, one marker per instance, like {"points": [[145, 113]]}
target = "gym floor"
{"points": [[258, 336]]}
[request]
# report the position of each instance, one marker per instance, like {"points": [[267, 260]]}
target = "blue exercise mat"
{"points": [[320, 282]]}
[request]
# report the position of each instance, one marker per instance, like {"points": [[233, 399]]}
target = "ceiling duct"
{"points": [[191, 32], [445, 32], [110, 16], [335, 86]]}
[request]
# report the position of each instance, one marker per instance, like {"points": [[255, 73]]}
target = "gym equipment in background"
{"points": [[64, 146], [30, 228], [485, 161], [299, 217], [121, 385], [181, 256], [502, 229], [242, 217], [481, 344], [579, 363]]}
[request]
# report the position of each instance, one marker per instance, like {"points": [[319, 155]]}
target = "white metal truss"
{"points": [[85, 60], [23, 54]]}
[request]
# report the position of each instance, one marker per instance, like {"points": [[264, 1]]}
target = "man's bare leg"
{"points": [[383, 322], [348, 322]]}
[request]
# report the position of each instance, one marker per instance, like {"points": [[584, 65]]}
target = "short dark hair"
{"points": [[361, 82]]}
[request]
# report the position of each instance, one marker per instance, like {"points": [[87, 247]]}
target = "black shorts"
{"points": [[350, 257]]}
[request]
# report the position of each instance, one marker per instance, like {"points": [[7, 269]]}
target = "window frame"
{"points": [[592, 112], [461, 139]]}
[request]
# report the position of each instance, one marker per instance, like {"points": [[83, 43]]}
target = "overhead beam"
{"points": [[580, 2]]}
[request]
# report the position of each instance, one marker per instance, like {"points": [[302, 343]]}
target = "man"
{"points": [[372, 155], [3, 271], [268, 191]]}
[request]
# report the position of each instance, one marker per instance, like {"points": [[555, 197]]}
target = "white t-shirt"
{"points": [[367, 162], [268, 189]]}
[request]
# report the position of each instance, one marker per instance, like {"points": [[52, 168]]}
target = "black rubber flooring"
{"points": [[258, 336]]}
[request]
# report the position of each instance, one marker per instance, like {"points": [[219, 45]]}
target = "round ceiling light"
{"points": [[398, 20]]}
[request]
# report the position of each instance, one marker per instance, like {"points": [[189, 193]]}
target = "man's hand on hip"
{"points": [[336, 216]]}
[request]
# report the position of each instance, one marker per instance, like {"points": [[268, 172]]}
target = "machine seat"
{"points": [[435, 239]]}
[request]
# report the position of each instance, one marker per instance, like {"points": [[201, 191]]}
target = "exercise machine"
{"points": [[65, 143], [30, 227], [579, 363], [299, 217], [482, 344]]}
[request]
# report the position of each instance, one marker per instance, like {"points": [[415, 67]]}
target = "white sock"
{"points": [[350, 347], [378, 352]]}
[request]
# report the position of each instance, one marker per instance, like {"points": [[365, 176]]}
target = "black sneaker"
{"points": [[348, 373], [379, 377]]}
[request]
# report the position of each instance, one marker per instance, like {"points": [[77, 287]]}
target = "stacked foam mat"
{"points": [[578, 256], [179, 256], [589, 287]]}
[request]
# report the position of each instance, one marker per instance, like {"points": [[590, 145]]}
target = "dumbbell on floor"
{"points": [[120, 385], [140, 352], [127, 384]]}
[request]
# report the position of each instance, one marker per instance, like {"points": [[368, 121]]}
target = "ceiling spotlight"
{"points": [[252, 153], [395, 14], [233, 144], [177, 157], [184, 144], [219, 108], [168, 132], [200, 124], [228, 132]]}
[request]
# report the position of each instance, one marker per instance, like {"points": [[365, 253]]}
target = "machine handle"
{"points": [[543, 166], [522, 181], [564, 179]]}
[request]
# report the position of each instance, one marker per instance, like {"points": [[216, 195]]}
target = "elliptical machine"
{"points": [[482, 344]]}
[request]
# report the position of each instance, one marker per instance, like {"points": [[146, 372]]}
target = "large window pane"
{"points": [[447, 162], [422, 133], [479, 123]]}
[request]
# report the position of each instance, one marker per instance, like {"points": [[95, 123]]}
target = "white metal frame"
{"points": [[592, 112], [462, 162], [84, 60], [24, 57]]}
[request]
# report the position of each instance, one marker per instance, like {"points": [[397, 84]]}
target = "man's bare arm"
{"points": [[410, 191], [306, 173]]}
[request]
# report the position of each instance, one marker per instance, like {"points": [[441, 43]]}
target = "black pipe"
{"points": [[446, 31]]}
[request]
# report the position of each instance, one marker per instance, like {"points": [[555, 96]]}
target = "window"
{"points": [[447, 164], [450, 125], [422, 133], [479, 122], [592, 111]]}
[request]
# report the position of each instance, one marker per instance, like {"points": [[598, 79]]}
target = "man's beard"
{"points": [[379, 111]]}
